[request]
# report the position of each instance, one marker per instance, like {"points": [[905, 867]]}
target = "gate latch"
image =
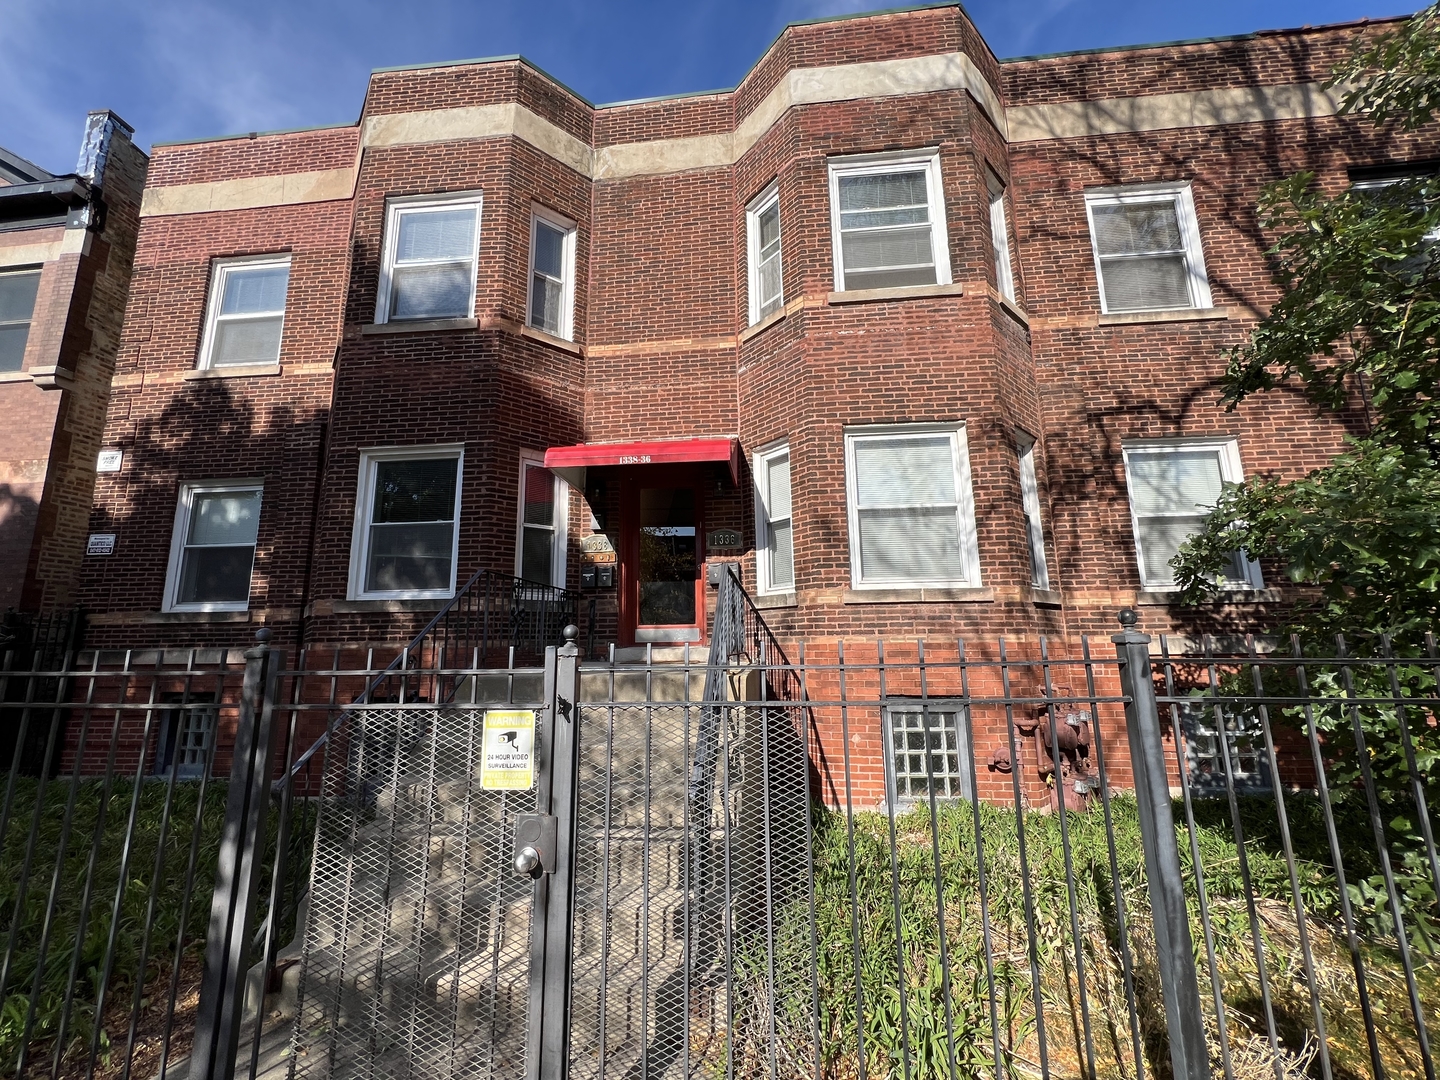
{"points": [[534, 844]]}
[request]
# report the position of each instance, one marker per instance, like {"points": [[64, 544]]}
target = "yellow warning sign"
{"points": [[507, 761]]}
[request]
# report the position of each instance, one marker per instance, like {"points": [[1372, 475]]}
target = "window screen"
{"points": [[907, 508], [218, 548], [927, 752], [17, 307], [248, 313], [885, 229], [432, 271], [411, 538]]}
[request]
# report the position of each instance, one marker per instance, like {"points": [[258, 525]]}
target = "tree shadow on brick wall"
{"points": [[19, 515], [206, 433]]}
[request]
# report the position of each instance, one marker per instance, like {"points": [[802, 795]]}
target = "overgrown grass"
{"points": [[889, 965], [99, 824]]}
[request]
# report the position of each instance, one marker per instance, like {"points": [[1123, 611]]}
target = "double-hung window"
{"points": [[405, 523], [911, 510], [774, 546], [552, 274], [212, 550], [1030, 503], [927, 752], [540, 553], [246, 312], [1147, 248], [1000, 237], [887, 218], [17, 307], [428, 265], [762, 225], [1173, 486]]}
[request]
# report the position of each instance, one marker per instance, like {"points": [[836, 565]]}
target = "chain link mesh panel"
{"points": [[416, 957]]}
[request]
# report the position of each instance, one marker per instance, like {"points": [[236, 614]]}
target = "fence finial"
{"points": [[263, 635], [570, 633], [1128, 618]]}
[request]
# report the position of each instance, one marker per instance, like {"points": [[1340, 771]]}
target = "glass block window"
{"points": [[246, 313], [213, 550], [926, 752], [186, 734], [1204, 747], [888, 222], [429, 263], [1147, 249]]}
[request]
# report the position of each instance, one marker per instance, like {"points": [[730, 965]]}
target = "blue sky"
{"points": [[179, 69]]}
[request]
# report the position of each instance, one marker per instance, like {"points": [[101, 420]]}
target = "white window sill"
{"points": [[927, 595], [1048, 598], [233, 371], [862, 296], [764, 324], [775, 600], [1171, 598], [415, 326], [550, 339], [1123, 318], [341, 607]]}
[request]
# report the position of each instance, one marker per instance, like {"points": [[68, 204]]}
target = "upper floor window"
{"points": [[1000, 237], [887, 220], [1147, 249], [405, 539], [246, 312], [774, 543], [552, 274], [762, 225], [540, 554], [1173, 486], [212, 551], [428, 266], [17, 307], [911, 510], [1030, 502]]}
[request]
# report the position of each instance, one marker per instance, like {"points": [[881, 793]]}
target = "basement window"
{"points": [[927, 752], [552, 274], [762, 227], [17, 306], [212, 550], [246, 312], [1146, 243], [428, 266], [405, 540], [887, 219], [187, 730]]}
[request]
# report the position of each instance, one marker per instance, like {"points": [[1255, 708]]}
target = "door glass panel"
{"points": [[668, 562]]}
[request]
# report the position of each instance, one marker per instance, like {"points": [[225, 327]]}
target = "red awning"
{"points": [[570, 462]]}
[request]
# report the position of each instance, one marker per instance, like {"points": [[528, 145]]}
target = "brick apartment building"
{"points": [[925, 340], [66, 244]]}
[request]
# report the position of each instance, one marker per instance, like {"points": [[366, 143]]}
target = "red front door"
{"points": [[662, 555]]}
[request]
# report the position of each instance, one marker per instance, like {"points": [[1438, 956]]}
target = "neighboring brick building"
{"points": [[66, 244], [953, 324]]}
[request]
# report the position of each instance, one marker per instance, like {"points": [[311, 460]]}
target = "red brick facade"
{"points": [[662, 349]]}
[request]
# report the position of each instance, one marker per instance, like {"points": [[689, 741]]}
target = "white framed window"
{"points": [[542, 526], [246, 311], [1146, 242], [18, 289], [887, 221], [212, 550], [405, 541], [774, 536], [1173, 485], [552, 274], [927, 752], [427, 268], [1000, 237], [911, 509], [762, 228], [1030, 501]]}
